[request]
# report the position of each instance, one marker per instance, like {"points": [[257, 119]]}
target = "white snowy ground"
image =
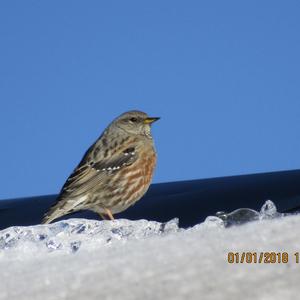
{"points": [[81, 259]]}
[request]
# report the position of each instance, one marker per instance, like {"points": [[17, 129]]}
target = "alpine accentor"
{"points": [[114, 173]]}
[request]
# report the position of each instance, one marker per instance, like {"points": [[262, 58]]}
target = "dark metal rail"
{"points": [[190, 201]]}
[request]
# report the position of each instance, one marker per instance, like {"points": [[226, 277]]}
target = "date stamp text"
{"points": [[262, 257]]}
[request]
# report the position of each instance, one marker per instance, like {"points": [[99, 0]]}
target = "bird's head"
{"points": [[135, 122]]}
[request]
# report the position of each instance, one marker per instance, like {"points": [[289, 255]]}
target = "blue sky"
{"points": [[222, 75]]}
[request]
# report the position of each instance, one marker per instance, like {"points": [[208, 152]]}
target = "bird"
{"points": [[114, 173]]}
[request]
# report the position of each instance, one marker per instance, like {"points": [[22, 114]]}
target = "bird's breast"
{"points": [[148, 162], [137, 177]]}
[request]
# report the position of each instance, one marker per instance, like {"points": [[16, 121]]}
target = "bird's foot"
{"points": [[109, 214]]}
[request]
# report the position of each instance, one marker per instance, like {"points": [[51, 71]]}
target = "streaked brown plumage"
{"points": [[114, 173]]}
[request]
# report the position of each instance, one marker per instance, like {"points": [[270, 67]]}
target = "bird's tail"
{"points": [[59, 209], [52, 214]]}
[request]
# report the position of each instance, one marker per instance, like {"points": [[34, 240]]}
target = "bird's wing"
{"points": [[89, 174]]}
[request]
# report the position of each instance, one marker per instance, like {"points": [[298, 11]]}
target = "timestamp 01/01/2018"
{"points": [[262, 257]]}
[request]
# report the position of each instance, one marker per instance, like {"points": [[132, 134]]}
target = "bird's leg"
{"points": [[102, 216], [109, 214]]}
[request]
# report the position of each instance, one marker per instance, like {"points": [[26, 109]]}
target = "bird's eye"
{"points": [[133, 120]]}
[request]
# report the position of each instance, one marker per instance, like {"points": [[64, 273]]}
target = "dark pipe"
{"points": [[190, 201]]}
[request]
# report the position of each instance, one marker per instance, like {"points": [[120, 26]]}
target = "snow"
{"points": [[74, 234], [122, 259]]}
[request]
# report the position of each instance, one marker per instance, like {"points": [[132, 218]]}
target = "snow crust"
{"points": [[84, 259], [71, 235]]}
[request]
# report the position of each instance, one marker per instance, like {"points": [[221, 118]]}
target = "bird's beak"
{"points": [[150, 120]]}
